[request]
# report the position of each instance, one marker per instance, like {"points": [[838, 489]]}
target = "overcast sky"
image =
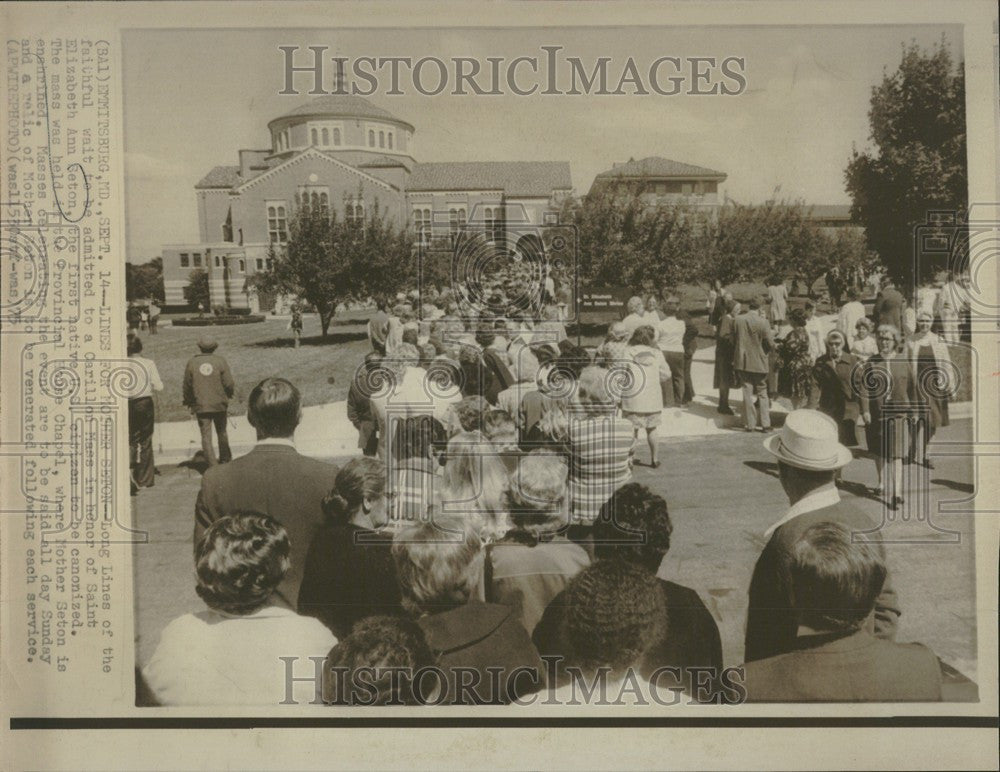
{"points": [[192, 99]]}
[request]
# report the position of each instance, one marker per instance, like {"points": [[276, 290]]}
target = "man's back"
{"points": [[276, 480], [890, 308], [771, 621], [856, 668], [208, 383], [751, 331]]}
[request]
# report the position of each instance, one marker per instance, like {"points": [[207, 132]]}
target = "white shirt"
{"points": [[815, 332], [213, 658], [848, 318], [671, 334], [289, 441], [152, 381], [412, 396], [824, 496]]}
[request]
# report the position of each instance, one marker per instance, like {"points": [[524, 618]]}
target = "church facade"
{"points": [[344, 153]]}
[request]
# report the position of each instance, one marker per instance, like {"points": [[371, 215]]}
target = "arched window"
{"points": [[315, 136], [314, 201], [336, 136], [381, 139], [298, 201], [324, 202], [390, 140], [326, 137], [371, 138]]}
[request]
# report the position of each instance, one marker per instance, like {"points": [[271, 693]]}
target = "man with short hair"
{"points": [[752, 341], [834, 581], [809, 456], [208, 386], [273, 478], [378, 325]]}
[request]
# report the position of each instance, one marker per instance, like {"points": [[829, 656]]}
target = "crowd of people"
{"points": [[490, 546]]}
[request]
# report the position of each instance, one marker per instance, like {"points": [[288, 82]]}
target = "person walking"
{"points": [[154, 317], [670, 340], [933, 377], [141, 417], [850, 314], [753, 340], [777, 295], [837, 391], [208, 387], [723, 376], [295, 325]]}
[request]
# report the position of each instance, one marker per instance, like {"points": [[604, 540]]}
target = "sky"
{"points": [[193, 98]]}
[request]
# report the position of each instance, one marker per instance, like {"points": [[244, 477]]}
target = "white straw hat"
{"points": [[809, 440]]}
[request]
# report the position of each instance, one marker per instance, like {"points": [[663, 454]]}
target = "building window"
{"points": [[269, 263], [196, 259], [354, 212], [492, 224], [243, 266], [336, 136], [218, 261], [456, 219], [185, 260], [390, 140], [326, 137], [551, 218], [422, 225], [661, 188], [260, 263], [314, 198], [687, 188], [314, 135], [277, 222], [371, 138], [381, 139]]}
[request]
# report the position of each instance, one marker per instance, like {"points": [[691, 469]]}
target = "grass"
{"points": [[258, 351]]}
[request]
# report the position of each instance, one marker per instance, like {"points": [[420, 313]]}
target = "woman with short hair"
{"points": [[533, 562], [887, 379], [348, 570], [642, 401], [933, 378], [230, 654], [439, 566], [474, 484], [600, 446]]}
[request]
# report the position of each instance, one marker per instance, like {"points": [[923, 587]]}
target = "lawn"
{"points": [[258, 351]]}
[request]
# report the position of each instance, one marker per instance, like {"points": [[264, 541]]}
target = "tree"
{"points": [[918, 162], [196, 293], [145, 280], [328, 260]]}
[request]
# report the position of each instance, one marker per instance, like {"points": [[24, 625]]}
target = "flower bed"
{"points": [[218, 321]]}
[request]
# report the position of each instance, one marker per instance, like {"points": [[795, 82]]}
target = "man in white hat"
{"points": [[809, 455]]}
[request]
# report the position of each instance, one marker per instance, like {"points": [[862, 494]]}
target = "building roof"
{"points": [[654, 166], [341, 105], [831, 212], [381, 162], [516, 178], [221, 177]]}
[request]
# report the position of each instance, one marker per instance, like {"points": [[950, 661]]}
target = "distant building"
{"points": [[342, 152], [664, 181], [833, 217]]}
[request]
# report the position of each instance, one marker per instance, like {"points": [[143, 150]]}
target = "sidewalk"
{"points": [[325, 431]]}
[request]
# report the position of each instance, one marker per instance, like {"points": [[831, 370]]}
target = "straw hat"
{"points": [[809, 440]]}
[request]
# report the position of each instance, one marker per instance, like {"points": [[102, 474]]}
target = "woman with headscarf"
{"points": [[933, 380]]}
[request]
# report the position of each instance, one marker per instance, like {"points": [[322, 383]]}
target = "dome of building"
{"points": [[340, 106]]}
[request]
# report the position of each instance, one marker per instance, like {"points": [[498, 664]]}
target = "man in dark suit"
{"points": [[834, 583], [889, 306], [273, 479], [809, 456], [753, 340]]}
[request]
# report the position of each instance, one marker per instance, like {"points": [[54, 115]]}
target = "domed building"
{"points": [[342, 152]]}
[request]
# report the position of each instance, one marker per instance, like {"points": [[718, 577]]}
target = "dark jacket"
{"points": [[889, 309], [359, 413], [690, 334], [349, 575], [476, 636], [837, 387], [275, 480], [856, 667], [691, 639], [499, 377], [772, 625], [208, 384], [752, 340]]}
